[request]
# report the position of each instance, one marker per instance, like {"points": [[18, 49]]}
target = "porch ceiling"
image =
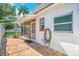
{"points": [[26, 18]]}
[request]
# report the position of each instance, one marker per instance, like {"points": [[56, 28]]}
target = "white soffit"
{"points": [[26, 18]]}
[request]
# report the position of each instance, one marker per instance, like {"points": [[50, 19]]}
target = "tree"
{"points": [[9, 25], [23, 10], [6, 10]]}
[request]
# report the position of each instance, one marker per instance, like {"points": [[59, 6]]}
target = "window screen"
{"points": [[63, 27], [41, 24], [63, 23]]}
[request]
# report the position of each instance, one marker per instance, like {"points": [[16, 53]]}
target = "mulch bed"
{"points": [[44, 50]]}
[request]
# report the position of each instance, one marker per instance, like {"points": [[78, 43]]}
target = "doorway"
{"points": [[33, 30]]}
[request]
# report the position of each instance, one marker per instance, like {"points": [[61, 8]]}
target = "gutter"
{"points": [[44, 8]]}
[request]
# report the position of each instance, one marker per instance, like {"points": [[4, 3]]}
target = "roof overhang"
{"points": [[41, 7], [26, 18]]}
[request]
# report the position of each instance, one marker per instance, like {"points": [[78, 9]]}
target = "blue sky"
{"points": [[31, 6]]}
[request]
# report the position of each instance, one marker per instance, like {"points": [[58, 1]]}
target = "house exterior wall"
{"points": [[62, 41]]}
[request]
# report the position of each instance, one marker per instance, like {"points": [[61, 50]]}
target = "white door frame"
{"points": [[31, 28]]}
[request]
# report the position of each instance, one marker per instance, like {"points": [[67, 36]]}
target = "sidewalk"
{"points": [[16, 47]]}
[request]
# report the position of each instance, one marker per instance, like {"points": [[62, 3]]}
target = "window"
{"points": [[41, 24], [63, 23], [33, 28]]}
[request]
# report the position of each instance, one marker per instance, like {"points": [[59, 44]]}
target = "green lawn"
{"points": [[12, 34]]}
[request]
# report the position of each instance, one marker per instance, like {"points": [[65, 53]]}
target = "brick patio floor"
{"points": [[16, 47]]}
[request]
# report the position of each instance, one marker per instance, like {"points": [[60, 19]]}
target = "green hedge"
{"points": [[11, 34]]}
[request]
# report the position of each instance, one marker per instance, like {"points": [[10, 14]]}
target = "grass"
{"points": [[12, 34]]}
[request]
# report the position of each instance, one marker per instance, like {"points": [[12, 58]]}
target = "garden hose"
{"points": [[47, 40]]}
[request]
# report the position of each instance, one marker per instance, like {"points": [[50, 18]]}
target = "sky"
{"points": [[30, 6]]}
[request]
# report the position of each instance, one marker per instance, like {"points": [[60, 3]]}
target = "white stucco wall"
{"points": [[61, 41]]}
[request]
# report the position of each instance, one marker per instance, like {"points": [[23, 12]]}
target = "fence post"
{"points": [[3, 41]]}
